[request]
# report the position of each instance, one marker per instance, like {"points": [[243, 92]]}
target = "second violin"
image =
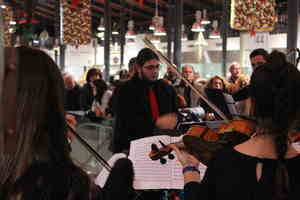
{"points": [[203, 142]]}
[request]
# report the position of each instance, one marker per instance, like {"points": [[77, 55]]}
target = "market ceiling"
{"points": [[141, 11]]}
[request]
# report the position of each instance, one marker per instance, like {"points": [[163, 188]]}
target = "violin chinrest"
{"points": [[203, 150]]}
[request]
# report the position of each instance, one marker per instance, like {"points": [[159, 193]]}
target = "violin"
{"points": [[203, 142]]}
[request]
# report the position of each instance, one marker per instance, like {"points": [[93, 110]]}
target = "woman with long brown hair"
{"points": [[35, 158]]}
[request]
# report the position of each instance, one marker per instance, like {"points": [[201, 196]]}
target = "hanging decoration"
{"points": [[253, 15], [9, 27], [141, 2], [24, 19], [77, 22], [215, 33], [130, 34], [74, 3]]}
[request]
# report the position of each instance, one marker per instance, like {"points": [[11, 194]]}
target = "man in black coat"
{"points": [[143, 103], [257, 57]]}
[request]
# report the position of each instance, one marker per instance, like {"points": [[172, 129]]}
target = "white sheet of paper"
{"points": [[151, 174]]}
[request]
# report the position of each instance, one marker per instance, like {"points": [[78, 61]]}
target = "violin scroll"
{"points": [[158, 153]]}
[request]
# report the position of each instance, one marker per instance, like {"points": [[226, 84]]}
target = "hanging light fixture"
{"points": [[155, 21], [155, 39], [18, 41], [215, 34], [159, 29], [130, 33], [130, 41], [184, 36], [44, 35], [101, 25], [201, 40], [204, 20], [115, 29], [197, 26], [100, 35], [155, 18]]}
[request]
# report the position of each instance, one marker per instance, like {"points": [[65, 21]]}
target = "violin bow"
{"points": [[2, 67], [174, 68], [99, 158]]}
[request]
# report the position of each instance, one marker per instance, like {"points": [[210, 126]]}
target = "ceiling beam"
{"points": [[130, 11], [142, 7], [200, 5], [160, 2]]}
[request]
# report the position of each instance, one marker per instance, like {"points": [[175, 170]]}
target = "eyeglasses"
{"points": [[152, 67]]}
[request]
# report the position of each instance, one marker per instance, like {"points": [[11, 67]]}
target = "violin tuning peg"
{"points": [[163, 161], [171, 156], [154, 148], [161, 143]]}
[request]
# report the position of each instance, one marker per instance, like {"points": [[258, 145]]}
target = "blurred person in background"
{"points": [[72, 93], [88, 89], [235, 72]]}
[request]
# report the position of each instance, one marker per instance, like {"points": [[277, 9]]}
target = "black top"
{"points": [[232, 175], [72, 98], [133, 119], [86, 97], [217, 97], [242, 94]]}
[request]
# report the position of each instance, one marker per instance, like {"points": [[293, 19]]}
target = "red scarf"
{"points": [[153, 104]]}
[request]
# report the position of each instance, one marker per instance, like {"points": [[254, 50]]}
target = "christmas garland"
{"points": [[253, 15], [8, 17], [77, 23]]}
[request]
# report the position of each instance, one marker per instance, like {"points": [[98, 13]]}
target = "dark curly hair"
{"points": [[275, 88], [145, 55]]}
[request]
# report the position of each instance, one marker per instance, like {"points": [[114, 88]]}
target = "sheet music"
{"points": [[151, 174], [296, 145], [103, 175]]}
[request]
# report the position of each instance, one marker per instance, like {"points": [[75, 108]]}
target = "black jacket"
{"points": [[133, 112], [87, 97], [72, 98]]}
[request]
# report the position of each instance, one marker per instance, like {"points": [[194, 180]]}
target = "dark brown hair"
{"points": [[275, 88], [92, 72], [145, 55], [40, 165]]}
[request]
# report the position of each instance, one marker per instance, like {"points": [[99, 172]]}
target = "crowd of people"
{"points": [[36, 161]]}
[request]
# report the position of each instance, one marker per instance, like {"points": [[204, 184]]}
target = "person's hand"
{"points": [[72, 122], [210, 116], [98, 111], [186, 159], [167, 121]]}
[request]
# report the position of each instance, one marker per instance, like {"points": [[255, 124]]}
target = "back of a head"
{"points": [[131, 64], [40, 100], [119, 184], [275, 89], [145, 55], [40, 140]]}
